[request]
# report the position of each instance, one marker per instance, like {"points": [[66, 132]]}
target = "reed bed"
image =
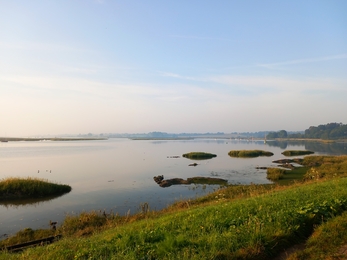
{"points": [[30, 187], [249, 153]]}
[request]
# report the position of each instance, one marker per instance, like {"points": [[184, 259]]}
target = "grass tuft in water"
{"points": [[11, 188]]}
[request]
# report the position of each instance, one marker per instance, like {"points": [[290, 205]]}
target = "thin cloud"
{"points": [[299, 61], [199, 37], [281, 83], [36, 46]]}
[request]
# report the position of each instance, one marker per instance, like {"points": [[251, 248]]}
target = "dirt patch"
{"points": [[288, 251]]}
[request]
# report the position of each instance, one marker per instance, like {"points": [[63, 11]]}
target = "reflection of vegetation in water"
{"points": [[320, 147], [19, 202], [329, 148]]}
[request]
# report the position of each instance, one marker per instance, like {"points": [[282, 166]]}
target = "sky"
{"points": [[102, 66]]}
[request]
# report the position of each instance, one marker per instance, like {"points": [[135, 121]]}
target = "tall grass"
{"points": [[30, 187], [275, 174]]}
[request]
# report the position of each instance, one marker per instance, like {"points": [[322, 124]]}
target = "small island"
{"points": [[13, 188], [194, 180], [296, 152], [199, 155], [249, 153]]}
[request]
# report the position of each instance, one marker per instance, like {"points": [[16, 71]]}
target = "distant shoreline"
{"points": [[17, 139]]}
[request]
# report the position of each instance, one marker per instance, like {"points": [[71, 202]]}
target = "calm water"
{"points": [[117, 174]]}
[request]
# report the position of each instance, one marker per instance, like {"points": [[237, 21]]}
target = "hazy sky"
{"points": [[70, 67]]}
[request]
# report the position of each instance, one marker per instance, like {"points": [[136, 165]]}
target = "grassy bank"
{"points": [[29, 188], [249, 153]]}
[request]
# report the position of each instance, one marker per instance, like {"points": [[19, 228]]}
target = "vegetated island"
{"points": [[296, 152], [249, 153], [12, 188], [194, 180], [199, 155]]}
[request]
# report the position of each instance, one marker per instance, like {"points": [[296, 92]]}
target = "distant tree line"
{"points": [[328, 131]]}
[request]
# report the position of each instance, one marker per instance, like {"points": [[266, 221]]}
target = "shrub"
{"points": [[274, 174]]}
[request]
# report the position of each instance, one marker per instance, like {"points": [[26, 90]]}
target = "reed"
{"points": [[275, 174], [29, 188], [249, 153]]}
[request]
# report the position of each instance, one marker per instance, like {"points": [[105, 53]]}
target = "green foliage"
{"points": [[199, 155], [328, 131], [296, 152], [275, 174], [30, 187], [279, 134], [249, 153]]}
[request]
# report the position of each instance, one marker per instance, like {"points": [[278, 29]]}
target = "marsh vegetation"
{"points": [[296, 152], [12, 188], [249, 153], [199, 155]]}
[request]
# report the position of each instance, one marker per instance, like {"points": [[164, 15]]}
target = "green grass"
{"points": [[249, 153], [29, 188], [199, 155], [326, 241], [296, 152]]}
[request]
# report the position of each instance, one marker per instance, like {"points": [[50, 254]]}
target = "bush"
{"points": [[275, 174]]}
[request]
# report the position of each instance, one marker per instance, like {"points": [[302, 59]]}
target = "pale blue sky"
{"points": [[175, 66]]}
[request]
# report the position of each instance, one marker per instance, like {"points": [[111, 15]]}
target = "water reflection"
{"points": [[317, 147], [18, 202]]}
